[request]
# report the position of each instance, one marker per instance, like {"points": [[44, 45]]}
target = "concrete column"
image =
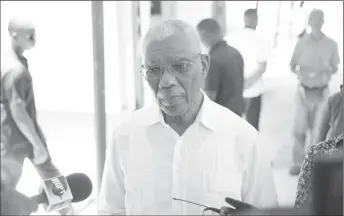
{"points": [[219, 13], [99, 86], [126, 55], [139, 91], [168, 9], [145, 22]]}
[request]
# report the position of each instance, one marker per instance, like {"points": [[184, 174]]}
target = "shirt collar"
{"points": [[206, 115]]}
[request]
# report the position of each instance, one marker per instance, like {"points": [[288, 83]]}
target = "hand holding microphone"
{"points": [[15, 203], [59, 192]]}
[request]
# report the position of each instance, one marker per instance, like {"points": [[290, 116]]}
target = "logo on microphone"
{"points": [[59, 188]]}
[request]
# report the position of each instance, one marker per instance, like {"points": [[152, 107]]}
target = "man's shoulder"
{"points": [[230, 124], [335, 98], [225, 54], [135, 120], [331, 41], [13, 73], [11, 65], [227, 119]]}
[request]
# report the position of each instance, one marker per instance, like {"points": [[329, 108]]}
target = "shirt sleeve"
{"points": [[335, 60], [258, 183], [112, 191], [263, 50], [296, 55], [16, 84]]}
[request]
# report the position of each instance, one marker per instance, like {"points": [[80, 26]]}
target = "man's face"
{"points": [[205, 38], [316, 20], [175, 73], [26, 39], [251, 20]]}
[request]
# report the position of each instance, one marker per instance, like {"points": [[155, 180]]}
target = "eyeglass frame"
{"points": [[169, 66]]}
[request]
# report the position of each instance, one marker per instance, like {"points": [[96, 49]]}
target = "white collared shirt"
{"points": [[218, 156], [254, 49]]}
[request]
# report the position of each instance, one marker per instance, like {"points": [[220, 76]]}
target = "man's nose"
{"points": [[167, 78]]}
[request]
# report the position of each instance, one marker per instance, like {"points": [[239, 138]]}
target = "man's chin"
{"points": [[175, 110]]}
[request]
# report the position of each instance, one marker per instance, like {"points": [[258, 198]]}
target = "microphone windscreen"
{"points": [[80, 185]]}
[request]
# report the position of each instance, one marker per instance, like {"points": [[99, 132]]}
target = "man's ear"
{"points": [[13, 35], [205, 61]]}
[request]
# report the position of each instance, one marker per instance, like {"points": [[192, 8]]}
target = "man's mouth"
{"points": [[171, 100]]}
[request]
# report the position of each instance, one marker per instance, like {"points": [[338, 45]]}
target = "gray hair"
{"points": [[167, 28], [19, 24]]}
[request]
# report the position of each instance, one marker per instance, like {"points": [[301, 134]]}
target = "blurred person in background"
{"points": [[21, 136], [225, 79], [330, 122], [255, 52], [315, 59]]}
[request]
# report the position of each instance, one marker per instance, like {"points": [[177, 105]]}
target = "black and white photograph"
{"points": [[172, 108]]}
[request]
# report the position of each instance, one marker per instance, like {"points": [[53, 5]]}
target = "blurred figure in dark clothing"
{"points": [[224, 82], [21, 136]]}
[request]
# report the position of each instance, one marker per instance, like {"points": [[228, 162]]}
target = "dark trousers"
{"points": [[252, 110]]}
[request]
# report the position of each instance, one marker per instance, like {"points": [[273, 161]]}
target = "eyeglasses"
{"points": [[32, 37], [178, 68]]}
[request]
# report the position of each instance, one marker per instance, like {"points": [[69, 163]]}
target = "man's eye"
{"points": [[181, 66], [154, 70]]}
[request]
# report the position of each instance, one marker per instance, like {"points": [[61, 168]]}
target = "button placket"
{"points": [[177, 174]]}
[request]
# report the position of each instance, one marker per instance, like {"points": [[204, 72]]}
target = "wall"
{"points": [[62, 61]]}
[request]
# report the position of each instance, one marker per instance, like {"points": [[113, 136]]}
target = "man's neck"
{"points": [[215, 43], [182, 122], [251, 27], [317, 34], [18, 50]]}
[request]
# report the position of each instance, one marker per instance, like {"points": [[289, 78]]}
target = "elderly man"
{"points": [[315, 60], [225, 80], [21, 136], [185, 146]]}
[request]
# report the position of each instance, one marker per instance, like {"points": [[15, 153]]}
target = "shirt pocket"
{"points": [[141, 192]]}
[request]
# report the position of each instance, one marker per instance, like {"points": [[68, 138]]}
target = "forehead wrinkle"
{"points": [[175, 58]]}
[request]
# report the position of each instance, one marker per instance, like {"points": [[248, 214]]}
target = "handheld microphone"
{"points": [[59, 192], [206, 208]]}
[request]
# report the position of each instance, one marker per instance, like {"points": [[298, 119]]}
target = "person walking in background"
{"points": [[255, 52], [21, 136], [315, 59], [224, 82]]}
